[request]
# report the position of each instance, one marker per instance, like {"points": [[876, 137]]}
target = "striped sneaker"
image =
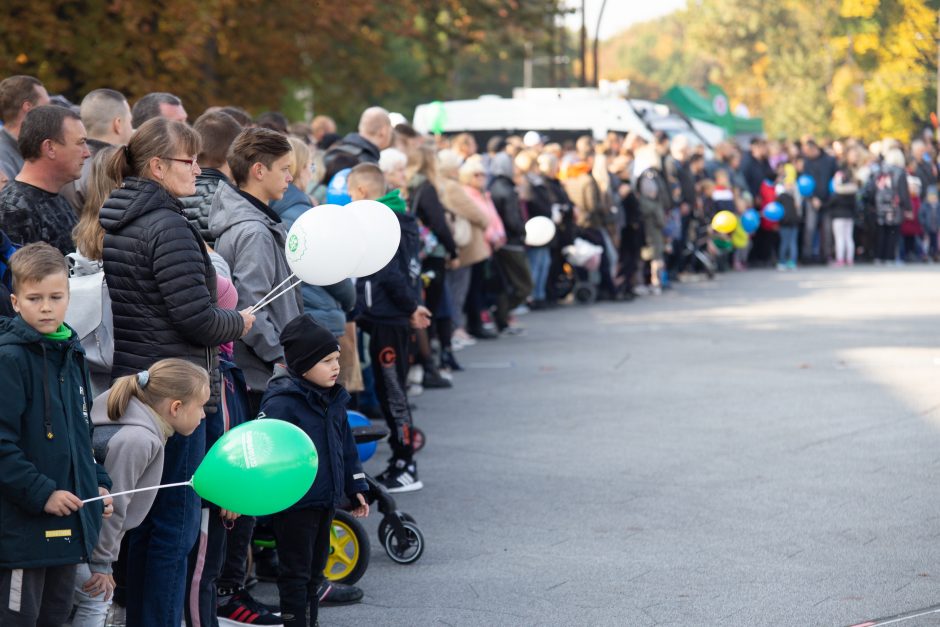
{"points": [[402, 477], [242, 609]]}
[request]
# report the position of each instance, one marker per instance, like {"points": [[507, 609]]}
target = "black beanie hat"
{"points": [[305, 343]]}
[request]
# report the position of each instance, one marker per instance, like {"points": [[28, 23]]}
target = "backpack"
{"points": [[89, 313], [887, 203]]}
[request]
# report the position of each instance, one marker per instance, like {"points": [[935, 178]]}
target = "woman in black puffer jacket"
{"points": [[163, 297]]}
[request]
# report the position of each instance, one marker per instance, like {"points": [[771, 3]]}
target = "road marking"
{"points": [[893, 620]]}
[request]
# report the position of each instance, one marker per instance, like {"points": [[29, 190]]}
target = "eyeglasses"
{"points": [[190, 162]]}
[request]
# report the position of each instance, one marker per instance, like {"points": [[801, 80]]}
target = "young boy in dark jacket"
{"points": [[307, 395], [391, 306], [46, 463]]}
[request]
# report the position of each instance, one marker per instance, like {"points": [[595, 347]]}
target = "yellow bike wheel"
{"points": [[349, 550]]}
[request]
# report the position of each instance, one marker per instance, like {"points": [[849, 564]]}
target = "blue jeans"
{"points": [[540, 261], [158, 549], [788, 249]]}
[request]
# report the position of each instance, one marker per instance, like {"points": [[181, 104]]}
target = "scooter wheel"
{"points": [[385, 526], [417, 439], [405, 551], [349, 550]]}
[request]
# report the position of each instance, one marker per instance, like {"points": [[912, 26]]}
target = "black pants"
{"points": [[237, 545], [473, 305], [36, 597], [389, 346], [303, 546], [205, 565], [887, 242], [517, 283], [238, 538]]}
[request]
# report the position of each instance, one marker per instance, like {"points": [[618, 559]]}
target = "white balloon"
{"points": [[539, 231], [378, 231], [323, 245]]}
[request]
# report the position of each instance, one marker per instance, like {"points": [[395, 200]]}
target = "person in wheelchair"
{"points": [[306, 394]]}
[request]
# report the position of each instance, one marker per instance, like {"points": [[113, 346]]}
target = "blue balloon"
{"points": [[750, 221], [806, 184], [367, 450], [773, 211], [337, 191], [832, 185]]}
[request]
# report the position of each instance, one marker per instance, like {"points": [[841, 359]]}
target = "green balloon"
{"points": [[258, 468]]}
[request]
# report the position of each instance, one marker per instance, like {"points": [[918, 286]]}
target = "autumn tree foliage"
{"points": [[866, 68], [253, 53]]}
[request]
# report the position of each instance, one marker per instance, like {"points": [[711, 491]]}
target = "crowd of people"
{"points": [[154, 239]]}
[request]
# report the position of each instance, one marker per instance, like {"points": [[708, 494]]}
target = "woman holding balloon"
{"points": [[162, 286]]}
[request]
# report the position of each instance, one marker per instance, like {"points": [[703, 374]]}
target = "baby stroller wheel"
{"points": [[349, 550], [385, 526], [417, 439], [406, 549], [585, 293]]}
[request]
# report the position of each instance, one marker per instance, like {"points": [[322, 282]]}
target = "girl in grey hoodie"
{"points": [[133, 421]]}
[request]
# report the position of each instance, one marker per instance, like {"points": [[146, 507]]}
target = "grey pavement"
{"points": [[762, 449]]}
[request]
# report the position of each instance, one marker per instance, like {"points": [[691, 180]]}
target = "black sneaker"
{"points": [[332, 593], [402, 477], [241, 609], [434, 380]]}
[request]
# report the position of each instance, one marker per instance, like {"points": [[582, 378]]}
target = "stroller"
{"points": [[695, 255], [580, 274]]}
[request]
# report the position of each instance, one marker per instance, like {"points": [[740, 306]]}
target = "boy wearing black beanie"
{"points": [[307, 395]]}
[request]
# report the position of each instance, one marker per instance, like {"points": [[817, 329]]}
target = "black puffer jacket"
{"points": [[162, 283], [196, 207]]}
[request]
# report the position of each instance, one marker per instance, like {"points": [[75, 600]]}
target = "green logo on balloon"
{"points": [[296, 246], [258, 468]]}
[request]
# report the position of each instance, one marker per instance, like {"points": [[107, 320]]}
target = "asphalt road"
{"points": [[762, 449]]}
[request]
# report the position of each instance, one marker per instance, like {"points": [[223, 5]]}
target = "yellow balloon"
{"points": [[725, 222], [740, 238]]}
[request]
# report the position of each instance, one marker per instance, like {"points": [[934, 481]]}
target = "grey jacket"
{"points": [[134, 460], [253, 246], [11, 161]]}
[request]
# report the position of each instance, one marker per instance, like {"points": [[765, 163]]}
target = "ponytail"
{"points": [[168, 379], [118, 167]]}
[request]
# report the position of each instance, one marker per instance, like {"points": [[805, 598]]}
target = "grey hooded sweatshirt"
{"points": [[134, 460], [252, 243]]}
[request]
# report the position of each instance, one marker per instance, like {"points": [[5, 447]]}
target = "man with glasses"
{"points": [[52, 141]]}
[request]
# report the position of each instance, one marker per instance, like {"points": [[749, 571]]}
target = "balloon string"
{"points": [[156, 487], [267, 300], [273, 289]]}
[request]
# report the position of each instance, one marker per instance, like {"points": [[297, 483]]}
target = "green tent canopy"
{"points": [[714, 109]]}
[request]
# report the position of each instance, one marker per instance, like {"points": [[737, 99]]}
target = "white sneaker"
{"points": [[416, 374]]}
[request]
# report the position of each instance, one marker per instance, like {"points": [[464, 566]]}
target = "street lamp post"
{"points": [[597, 37]]}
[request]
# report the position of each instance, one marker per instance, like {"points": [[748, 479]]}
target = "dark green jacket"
{"points": [[44, 391]]}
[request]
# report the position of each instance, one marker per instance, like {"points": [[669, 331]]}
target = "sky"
{"points": [[620, 14]]}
